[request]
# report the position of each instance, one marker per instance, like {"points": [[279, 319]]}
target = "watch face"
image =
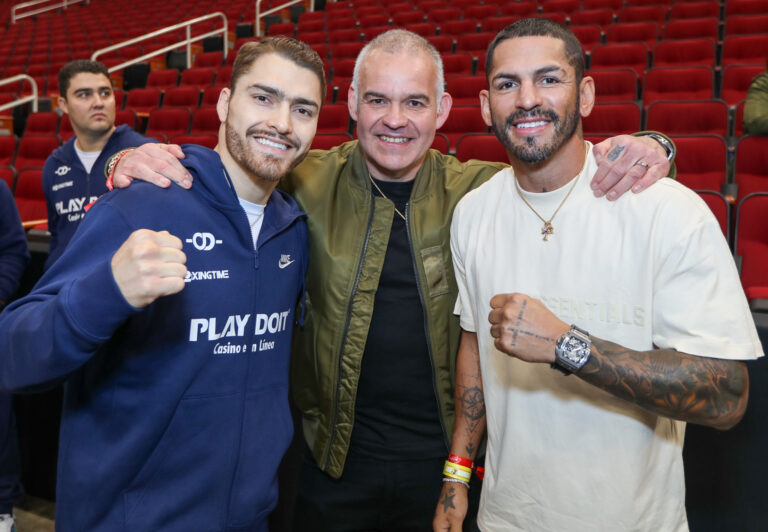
{"points": [[574, 349]]}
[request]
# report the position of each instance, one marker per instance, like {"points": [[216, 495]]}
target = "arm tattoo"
{"points": [[472, 407], [703, 390], [615, 152], [447, 500]]}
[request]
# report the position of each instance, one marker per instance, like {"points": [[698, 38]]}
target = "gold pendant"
{"points": [[547, 230]]}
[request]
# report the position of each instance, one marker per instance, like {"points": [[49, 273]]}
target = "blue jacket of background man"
{"points": [[69, 187], [14, 254], [175, 416]]}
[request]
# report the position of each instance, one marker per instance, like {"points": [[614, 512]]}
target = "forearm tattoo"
{"points": [[615, 152], [701, 390]]}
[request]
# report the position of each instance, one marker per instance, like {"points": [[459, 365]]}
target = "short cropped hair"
{"points": [[78, 66], [540, 27], [286, 47], [398, 41]]}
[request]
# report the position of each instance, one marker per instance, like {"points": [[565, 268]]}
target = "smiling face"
{"points": [[90, 104], [397, 112], [269, 118], [535, 101]]}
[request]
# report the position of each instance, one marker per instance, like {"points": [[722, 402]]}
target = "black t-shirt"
{"points": [[396, 413]]}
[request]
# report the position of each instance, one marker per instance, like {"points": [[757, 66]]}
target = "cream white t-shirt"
{"points": [[649, 269], [255, 214]]}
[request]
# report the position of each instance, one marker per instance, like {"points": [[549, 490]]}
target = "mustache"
{"points": [[272, 135], [547, 114]]}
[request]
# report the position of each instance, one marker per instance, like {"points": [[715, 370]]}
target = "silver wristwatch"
{"points": [[669, 148], [572, 350]]}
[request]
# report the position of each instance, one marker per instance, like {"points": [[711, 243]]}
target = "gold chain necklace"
{"points": [[385, 196], [547, 229]]}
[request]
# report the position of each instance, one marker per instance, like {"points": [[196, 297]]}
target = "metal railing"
{"points": [[21, 101], [188, 41], [260, 15], [60, 3]]}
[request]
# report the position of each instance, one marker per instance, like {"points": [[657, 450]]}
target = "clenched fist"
{"points": [[525, 328], [149, 265]]}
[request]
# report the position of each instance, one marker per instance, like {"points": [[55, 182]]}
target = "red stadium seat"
{"points": [[461, 120], [125, 116], [163, 79], [343, 23], [612, 118], [751, 173], [736, 82], [209, 60], [459, 27], [326, 141], [701, 161], [442, 43], [745, 49], [483, 146], [688, 117], [615, 85], [693, 28], [625, 55], [458, 64], [425, 29], [211, 96], [519, 9], [142, 100], [690, 52], [615, 5], [652, 13], [284, 28], [344, 35], [465, 90], [441, 15], [694, 10], [685, 83], [752, 240], [333, 118], [746, 24], [474, 43], [307, 26], [205, 120], [601, 17], [481, 12], [197, 77], [372, 21], [168, 121], [29, 196], [33, 150], [346, 49], [646, 32], [589, 36], [440, 143], [8, 175], [188, 97], [7, 149], [44, 123], [497, 24], [408, 17], [342, 69], [745, 7]]}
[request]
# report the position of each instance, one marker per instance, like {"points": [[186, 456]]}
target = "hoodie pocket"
{"points": [[184, 483]]}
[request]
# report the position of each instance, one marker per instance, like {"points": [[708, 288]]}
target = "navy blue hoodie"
{"points": [[175, 416], [69, 187]]}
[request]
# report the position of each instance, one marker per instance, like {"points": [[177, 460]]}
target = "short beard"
{"points": [[531, 152], [265, 167]]}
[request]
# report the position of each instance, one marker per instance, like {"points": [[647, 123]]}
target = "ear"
{"points": [[587, 96], [222, 106], [352, 102], [62, 102], [485, 107], [443, 109]]}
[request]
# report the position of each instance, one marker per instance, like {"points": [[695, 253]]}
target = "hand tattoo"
{"points": [[615, 152], [447, 500]]}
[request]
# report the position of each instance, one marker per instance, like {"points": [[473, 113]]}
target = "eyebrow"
{"points": [[417, 96], [277, 93], [90, 89], [538, 72]]}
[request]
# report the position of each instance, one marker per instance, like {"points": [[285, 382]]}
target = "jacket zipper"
{"points": [[426, 325], [344, 336]]}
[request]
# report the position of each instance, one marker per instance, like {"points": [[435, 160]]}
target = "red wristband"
{"points": [[480, 472], [466, 462], [110, 185]]}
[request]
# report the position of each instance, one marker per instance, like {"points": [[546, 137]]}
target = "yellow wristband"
{"points": [[459, 472]]}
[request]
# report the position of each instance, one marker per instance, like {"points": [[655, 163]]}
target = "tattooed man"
{"points": [[654, 285]]}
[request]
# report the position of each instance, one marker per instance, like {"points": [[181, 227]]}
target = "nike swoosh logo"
{"points": [[282, 265]]}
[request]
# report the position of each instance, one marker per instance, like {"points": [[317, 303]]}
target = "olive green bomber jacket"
{"points": [[349, 232]]}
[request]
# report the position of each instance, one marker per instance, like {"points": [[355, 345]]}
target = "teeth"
{"points": [[526, 125], [271, 143], [396, 140]]}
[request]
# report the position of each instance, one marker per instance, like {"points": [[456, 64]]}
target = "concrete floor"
{"points": [[34, 515]]}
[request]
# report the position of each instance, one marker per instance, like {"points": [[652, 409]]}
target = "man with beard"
{"points": [[373, 368], [650, 276], [169, 318], [70, 182]]}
